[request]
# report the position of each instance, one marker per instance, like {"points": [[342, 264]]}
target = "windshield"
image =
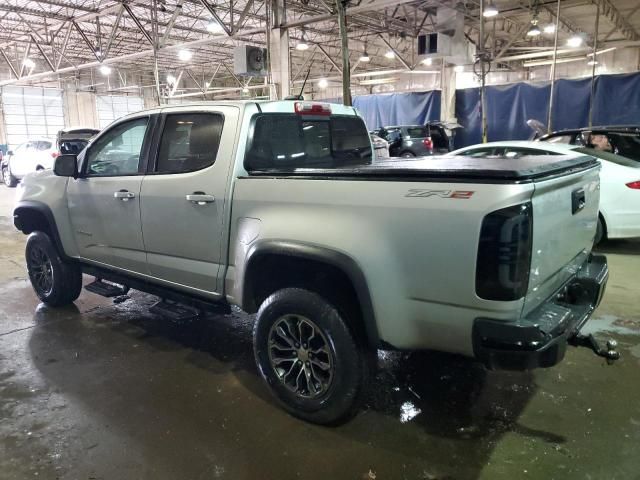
{"points": [[290, 141], [611, 157]]}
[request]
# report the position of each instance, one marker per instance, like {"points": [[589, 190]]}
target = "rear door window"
{"points": [[290, 141], [417, 132]]}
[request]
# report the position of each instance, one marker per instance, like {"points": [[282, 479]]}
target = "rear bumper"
{"points": [[539, 340]]}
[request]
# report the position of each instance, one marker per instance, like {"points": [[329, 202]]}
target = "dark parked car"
{"points": [[619, 139], [73, 140], [415, 140]]}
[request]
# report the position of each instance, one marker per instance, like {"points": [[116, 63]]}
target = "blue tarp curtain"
{"points": [[616, 101], [413, 108]]}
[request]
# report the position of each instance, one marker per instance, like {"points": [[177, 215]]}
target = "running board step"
{"points": [[174, 311], [106, 289]]}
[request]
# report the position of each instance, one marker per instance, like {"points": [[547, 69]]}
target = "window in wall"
{"points": [[112, 107]]}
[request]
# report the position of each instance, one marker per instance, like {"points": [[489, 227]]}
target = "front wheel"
{"points": [[55, 281], [308, 356], [8, 179], [407, 155]]}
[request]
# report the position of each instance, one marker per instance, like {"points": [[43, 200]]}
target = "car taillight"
{"points": [[504, 253], [55, 154], [428, 143], [635, 185], [308, 108]]}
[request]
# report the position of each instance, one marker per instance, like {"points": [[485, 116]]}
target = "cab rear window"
{"points": [[284, 141]]}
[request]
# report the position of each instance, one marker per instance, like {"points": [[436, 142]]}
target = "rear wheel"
{"points": [[55, 281], [8, 179], [407, 155], [308, 356]]}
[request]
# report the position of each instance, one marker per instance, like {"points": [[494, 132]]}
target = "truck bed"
{"points": [[453, 168]]}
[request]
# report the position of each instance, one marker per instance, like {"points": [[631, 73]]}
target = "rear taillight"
{"points": [[308, 108], [428, 143], [504, 253], [635, 185], [55, 154]]}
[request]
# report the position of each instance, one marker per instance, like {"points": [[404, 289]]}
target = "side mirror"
{"points": [[10, 152], [66, 166]]}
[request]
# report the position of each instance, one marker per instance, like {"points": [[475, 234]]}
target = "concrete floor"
{"points": [[105, 391]]}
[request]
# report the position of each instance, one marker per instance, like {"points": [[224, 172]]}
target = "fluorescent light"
{"points": [[214, 27], [592, 63], [105, 69], [538, 63], [490, 11], [171, 79], [574, 41], [390, 54], [458, 68], [28, 63], [549, 28], [378, 81], [302, 46], [185, 55], [365, 57], [206, 84], [427, 61], [534, 30], [323, 83]]}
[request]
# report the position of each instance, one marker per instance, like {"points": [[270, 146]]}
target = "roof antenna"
{"points": [[299, 96]]}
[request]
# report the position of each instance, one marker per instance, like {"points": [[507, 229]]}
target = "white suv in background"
{"points": [[30, 156]]}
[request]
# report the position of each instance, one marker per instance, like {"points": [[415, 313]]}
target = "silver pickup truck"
{"points": [[277, 208]]}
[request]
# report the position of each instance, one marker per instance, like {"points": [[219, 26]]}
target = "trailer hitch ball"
{"points": [[612, 344]]}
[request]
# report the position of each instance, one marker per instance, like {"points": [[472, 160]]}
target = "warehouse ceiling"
{"points": [[44, 40]]}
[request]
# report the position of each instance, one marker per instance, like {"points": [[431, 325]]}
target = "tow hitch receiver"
{"points": [[589, 341]]}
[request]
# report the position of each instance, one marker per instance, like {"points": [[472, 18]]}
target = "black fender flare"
{"points": [[20, 221], [339, 260]]}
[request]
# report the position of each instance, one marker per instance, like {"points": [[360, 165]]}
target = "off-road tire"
{"points": [[349, 359], [56, 282]]}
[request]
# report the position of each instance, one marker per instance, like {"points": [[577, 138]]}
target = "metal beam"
{"points": [[11, 67], [138, 23], [172, 20], [243, 15], [44, 55], [114, 30], [402, 60], [608, 10], [215, 15], [331, 60]]}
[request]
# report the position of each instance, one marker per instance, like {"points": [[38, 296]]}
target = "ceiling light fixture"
{"points": [[427, 61], [185, 55], [171, 79], [105, 70], [390, 54], [458, 68], [490, 11], [323, 83], [549, 28], [575, 41], [302, 46], [245, 90], [534, 29], [214, 27], [591, 63], [365, 57], [28, 63]]}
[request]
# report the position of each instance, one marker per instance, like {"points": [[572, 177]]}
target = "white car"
{"points": [[30, 156], [619, 181]]}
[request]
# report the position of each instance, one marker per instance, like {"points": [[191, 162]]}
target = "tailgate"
{"points": [[565, 213]]}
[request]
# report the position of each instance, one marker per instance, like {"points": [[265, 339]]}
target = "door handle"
{"points": [[124, 195], [198, 198]]}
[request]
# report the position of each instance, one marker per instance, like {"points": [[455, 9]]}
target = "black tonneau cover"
{"points": [[500, 169]]}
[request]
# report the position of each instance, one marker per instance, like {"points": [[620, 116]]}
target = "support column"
{"points": [[448, 94], [279, 52], [346, 67]]}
